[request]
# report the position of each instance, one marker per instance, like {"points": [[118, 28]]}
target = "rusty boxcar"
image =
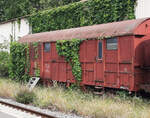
{"points": [[122, 61]]}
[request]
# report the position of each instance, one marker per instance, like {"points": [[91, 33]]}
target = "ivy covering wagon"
{"points": [[105, 55]]}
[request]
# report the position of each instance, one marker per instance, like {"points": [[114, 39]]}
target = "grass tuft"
{"points": [[25, 96]]}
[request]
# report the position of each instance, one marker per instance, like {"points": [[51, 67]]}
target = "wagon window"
{"points": [[47, 47], [112, 44], [100, 50]]}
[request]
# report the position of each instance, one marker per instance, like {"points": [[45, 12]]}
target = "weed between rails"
{"points": [[85, 104]]}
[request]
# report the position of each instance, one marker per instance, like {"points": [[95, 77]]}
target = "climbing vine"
{"points": [[35, 46], [36, 56], [19, 61], [70, 50], [19, 23], [82, 14]]}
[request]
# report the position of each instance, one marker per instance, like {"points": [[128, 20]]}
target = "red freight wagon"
{"points": [[120, 60]]}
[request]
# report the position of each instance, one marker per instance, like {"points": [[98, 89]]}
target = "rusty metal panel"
{"points": [[121, 28], [54, 54], [112, 67], [91, 51], [126, 68], [111, 56], [111, 79], [62, 77], [89, 74], [55, 71], [70, 77], [125, 80], [126, 49], [47, 72]]}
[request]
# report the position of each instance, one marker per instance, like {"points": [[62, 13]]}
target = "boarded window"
{"points": [[100, 50], [112, 44], [47, 47]]}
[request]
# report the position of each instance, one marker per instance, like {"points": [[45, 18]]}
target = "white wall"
{"points": [[142, 9], [13, 30]]}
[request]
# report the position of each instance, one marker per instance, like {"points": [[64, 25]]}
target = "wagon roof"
{"points": [[96, 31]]}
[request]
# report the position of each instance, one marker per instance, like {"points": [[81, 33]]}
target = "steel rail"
{"points": [[29, 110]]}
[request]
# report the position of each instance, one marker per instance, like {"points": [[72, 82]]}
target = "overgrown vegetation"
{"points": [[4, 58], [10, 9], [19, 61], [70, 50], [4, 63], [86, 104], [82, 14], [25, 96]]}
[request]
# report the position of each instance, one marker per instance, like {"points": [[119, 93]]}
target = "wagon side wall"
{"points": [[142, 55], [141, 61]]}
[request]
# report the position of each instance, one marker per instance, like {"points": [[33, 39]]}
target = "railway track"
{"points": [[27, 110]]}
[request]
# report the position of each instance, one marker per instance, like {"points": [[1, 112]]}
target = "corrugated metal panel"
{"points": [[102, 30]]}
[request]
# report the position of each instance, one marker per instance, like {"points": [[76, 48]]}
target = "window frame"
{"points": [[111, 39], [100, 58], [49, 48]]}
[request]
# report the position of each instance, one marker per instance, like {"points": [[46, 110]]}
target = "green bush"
{"points": [[19, 61], [82, 14], [4, 63], [25, 96]]}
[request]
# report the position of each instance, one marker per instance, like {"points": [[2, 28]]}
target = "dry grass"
{"points": [[8, 88], [81, 103]]}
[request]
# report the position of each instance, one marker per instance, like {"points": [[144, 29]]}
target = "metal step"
{"points": [[32, 82], [99, 87], [99, 93]]}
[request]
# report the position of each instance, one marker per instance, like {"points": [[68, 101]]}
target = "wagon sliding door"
{"points": [[54, 66], [125, 62], [111, 62], [99, 76], [91, 59], [58, 65], [46, 60], [88, 53]]}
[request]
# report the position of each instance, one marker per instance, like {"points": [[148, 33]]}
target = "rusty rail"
{"points": [[29, 110]]}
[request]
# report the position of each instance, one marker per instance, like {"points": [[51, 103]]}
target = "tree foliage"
{"points": [[10, 9]]}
